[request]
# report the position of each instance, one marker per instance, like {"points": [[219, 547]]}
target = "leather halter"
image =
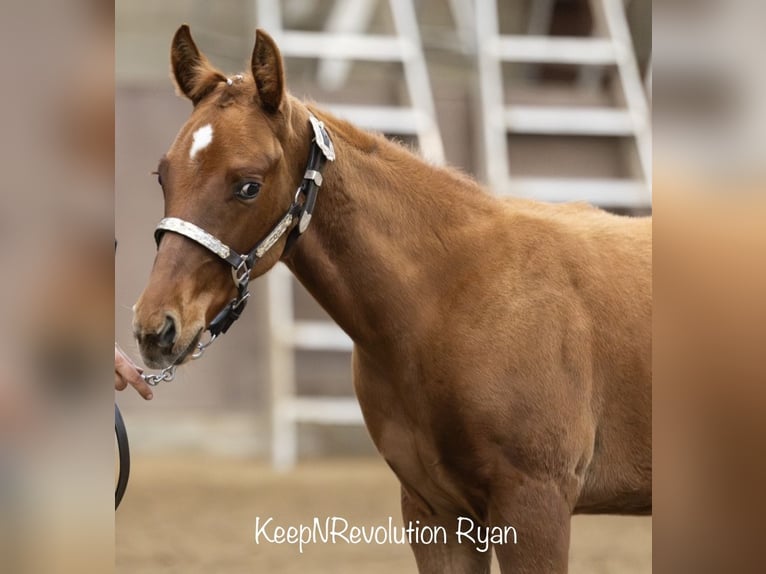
{"points": [[242, 264]]}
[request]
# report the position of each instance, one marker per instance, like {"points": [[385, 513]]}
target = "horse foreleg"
{"points": [[540, 515], [443, 557]]}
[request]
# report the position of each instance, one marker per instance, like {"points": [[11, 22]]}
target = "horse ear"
{"points": [[268, 72], [194, 76]]}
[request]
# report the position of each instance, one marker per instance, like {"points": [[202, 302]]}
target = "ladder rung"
{"points": [[569, 121], [324, 410], [547, 50], [318, 336], [601, 192], [369, 47], [386, 119]]}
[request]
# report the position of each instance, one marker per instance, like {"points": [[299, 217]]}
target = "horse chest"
{"points": [[399, 422], [417, 461]]}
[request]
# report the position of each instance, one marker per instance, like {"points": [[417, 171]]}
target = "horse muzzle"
{"points": [[164, 342]]}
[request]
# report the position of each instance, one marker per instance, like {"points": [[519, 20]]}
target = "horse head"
{"points": [[231, 171]]}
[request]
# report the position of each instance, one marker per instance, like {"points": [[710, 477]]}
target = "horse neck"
{"points": [[385, 229]]}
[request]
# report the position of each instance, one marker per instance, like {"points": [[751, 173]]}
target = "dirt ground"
{"points": [[196, 515]]}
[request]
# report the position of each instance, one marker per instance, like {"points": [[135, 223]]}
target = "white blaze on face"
{"points": [[201, 139]]}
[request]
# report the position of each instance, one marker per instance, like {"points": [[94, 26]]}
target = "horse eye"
{"points": [[248, 189]]}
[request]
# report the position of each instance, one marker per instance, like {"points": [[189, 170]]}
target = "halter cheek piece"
{"points": [[242, 264]]}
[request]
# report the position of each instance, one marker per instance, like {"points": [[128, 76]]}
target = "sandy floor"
{"points": [[197, 514]]}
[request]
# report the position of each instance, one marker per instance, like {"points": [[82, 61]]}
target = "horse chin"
{"points": [[155, 360]]}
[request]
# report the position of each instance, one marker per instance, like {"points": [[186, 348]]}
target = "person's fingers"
{"points": [[122, 363], [143, 389], [128, 372], [125, 368], [119, 382]]}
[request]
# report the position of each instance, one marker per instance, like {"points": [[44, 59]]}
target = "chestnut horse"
{"points": [[502, 348]]}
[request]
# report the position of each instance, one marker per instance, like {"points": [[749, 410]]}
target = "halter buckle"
{"points": [[241, 273], [239, 302]]}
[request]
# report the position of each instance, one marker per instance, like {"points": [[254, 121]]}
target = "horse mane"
{"points": [[377, 143], [367, 142]]}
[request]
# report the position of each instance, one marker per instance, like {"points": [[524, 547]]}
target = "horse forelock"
{"points": [[226, 93]]}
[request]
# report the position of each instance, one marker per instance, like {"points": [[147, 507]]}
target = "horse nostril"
{"points": [[167, 336]]}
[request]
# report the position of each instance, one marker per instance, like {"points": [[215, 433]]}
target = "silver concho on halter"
{"points": [[324, 143], [322, 138]]}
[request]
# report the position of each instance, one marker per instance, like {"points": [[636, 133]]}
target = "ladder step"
{"points": [[324, 410], [587, 121], [368, 47], [627, 193], [318, 336], [547, 50], [386, 119]]}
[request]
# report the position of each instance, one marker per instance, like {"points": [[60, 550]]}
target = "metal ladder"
{"points": [[343, 39], [632, 120], [342, 42]]}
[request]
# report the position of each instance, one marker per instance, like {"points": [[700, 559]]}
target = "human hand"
{"points": [[127, 372]]}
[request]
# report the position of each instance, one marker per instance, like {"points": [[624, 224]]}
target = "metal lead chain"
{"points": [[169, 373]]}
